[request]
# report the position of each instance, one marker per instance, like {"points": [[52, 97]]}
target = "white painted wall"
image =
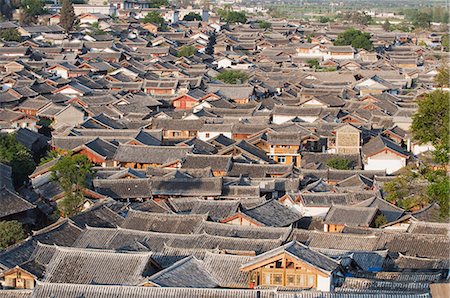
{"points": [[278, 119], [389, 165], [323, 283], [212, 134]]}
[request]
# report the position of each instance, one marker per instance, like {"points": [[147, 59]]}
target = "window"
{"points": [[277, 278], [281, 159], [207, 134]]}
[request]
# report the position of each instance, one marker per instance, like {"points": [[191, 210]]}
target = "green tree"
{"points": [[67, 18], [264, 25], [231, 16], [419, 187], [10, 233], [324, 19], [355, 38], [71, 172], [232, 77], [445, 42], [187, 51], [96, 30], [386, 25], [422, 20], [18, 157], [442, 78], [155, 17], [339, 163], [10, 34], [31, 9], [431, 123], [158, 3], [380, 220], [192, 16], [313, 63]]}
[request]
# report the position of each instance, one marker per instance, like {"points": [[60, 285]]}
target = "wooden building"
{"points": [[292, 265]]}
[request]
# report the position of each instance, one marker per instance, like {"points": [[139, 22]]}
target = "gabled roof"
{"points": [[86, 266], [351, 216], [12, 203], [271, 213], [379, 143], [163, 222], [298, 251], [150, 154], [188, 272]]}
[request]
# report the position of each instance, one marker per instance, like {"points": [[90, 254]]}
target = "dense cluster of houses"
{"points": [[208, 189]]}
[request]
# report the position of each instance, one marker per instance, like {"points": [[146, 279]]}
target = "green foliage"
{"points": [[192, 16], [155, 17], [445, 42], [339, 163], [187, 51], [10, 34], [232, 17], [355, 38], [31, 9], [232, 77], [313, 63], [431, 123], [71, 172], [439, 190], [96, 30], [422, 18], [442, 78], [67, 18], [419, 187], [356, 17], [380, 220], [10, 233], [51, 155], [158, 3], [324, 19], [18, 157], [264, 25], [386, 25]]}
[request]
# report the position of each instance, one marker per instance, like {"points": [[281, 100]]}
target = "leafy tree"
{"points": [[10, 233], [380, 220], [231, 16], [422, 20], [155, 17], [158, 3], [71, 172], [187, 51], [419, 187], [67, 18], [96, 30], [386, 25], [232, 76], [356, 17], [442, 78], [355, 38], [31, 9], [324, 19], [18, 157], [264, 25], [445, 42], [431, 123], [10, 34], [313, 63], [192, 16], [339, 163]]}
